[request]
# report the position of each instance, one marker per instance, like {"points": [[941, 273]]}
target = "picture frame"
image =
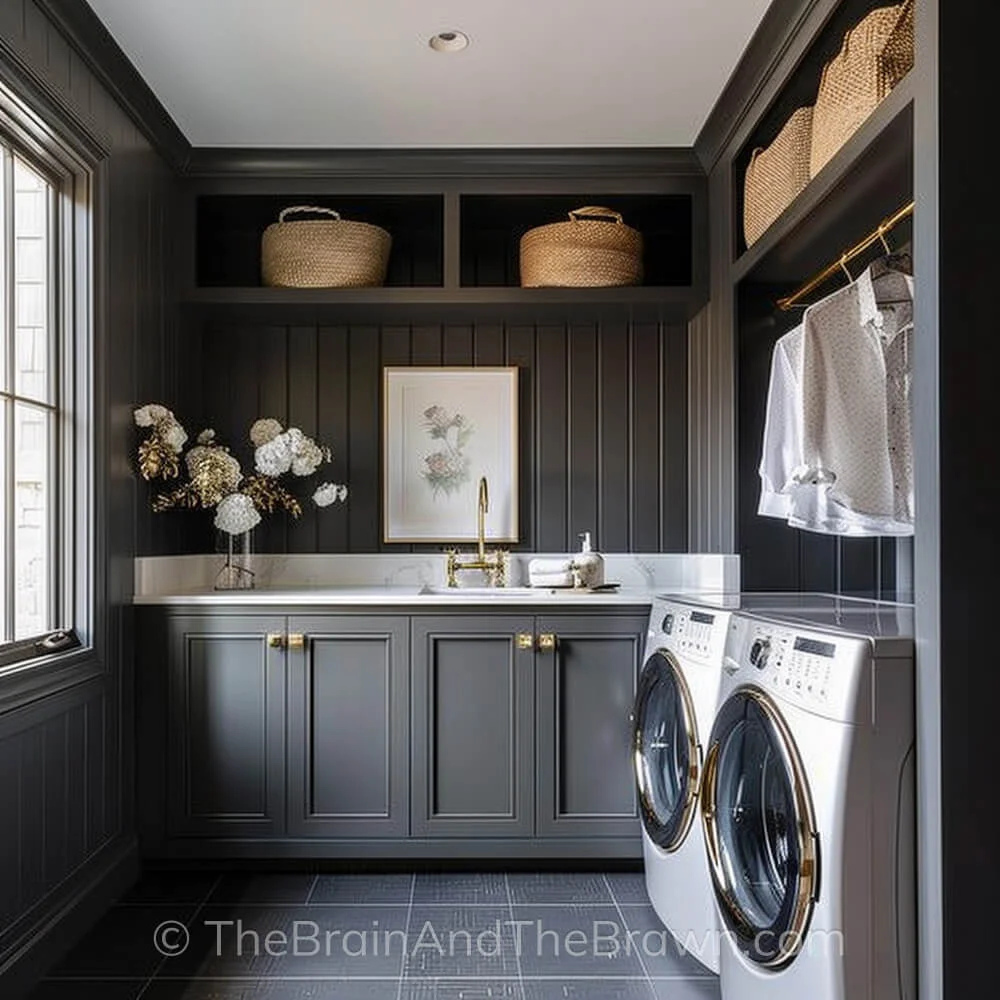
{"points": [[444, 429]]}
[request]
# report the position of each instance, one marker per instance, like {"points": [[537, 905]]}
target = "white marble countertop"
{"points": [[388, 596]]}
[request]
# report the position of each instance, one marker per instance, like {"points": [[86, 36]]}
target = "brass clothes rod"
{"points": [[875, 236]]}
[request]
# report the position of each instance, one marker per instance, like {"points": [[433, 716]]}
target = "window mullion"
{"points": [[58, 571], [10, 352]]}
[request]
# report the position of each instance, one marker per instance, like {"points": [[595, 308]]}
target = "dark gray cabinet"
{"points": [[348, 732], [473, 712], [585, 680], [226, 727], [286, 735]]}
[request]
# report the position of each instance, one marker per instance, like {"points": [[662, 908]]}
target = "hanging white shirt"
{"points": [[856, 436], [800, 491]]}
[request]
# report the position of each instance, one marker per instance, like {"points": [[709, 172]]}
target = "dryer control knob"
{"points": [[759, 652]]}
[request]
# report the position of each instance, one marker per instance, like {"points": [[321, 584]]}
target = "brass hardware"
{"points": [[493, 564], [547, 641], [275, 640], [878, 235], [296, 641], [525, 640]]}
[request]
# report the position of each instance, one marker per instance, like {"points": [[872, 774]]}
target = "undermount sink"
{"points": [[488, 591]]}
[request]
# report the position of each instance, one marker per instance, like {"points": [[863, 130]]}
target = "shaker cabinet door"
{"points": [[586, 682], [472, 724], [225, 769], [348, 726]]}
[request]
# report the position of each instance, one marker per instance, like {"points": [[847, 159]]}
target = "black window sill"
{"points": [[46, 676]]}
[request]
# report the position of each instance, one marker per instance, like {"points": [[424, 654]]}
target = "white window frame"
{"points": [[75, 570]]}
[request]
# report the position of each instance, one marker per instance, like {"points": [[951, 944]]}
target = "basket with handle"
{"points": [[323, 253], [876, 54], [595, 249], [776, 175]]}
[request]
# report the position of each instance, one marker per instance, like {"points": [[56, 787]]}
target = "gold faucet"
{"points": [[494, 563]]}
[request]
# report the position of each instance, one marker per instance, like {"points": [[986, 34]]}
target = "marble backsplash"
{"points": [[647, 572]]}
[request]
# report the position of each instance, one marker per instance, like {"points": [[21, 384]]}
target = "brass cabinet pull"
{"points": [[296, 641], [275, 640], [547, 641], [525, 640]]}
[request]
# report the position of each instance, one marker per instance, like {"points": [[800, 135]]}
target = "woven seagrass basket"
{"points": [[877, 53], [595, 249], [323, 253], [776, 175]]}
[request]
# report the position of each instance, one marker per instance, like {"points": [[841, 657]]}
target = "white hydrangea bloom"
{"points": [[307, 459], [150, 414], [264, 430], [207, 436], [174, 436], [274, 457], [236, 513], [329, 493]]}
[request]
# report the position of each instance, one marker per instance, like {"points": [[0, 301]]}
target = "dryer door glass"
{"points": [[665, 752], [760, 835]]}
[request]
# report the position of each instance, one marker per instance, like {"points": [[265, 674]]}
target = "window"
{"points": [[39, 423]]}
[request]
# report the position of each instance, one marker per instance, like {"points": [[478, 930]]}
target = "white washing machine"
{"points": [[675, 703], [807, 805], [675, 706]]}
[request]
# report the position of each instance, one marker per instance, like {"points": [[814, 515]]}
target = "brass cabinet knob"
{"points": [[525, 640], [296, 641], [275, 640], [547, 641]]}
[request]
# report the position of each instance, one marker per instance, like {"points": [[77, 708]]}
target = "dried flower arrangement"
{"points": [[215, 478]]}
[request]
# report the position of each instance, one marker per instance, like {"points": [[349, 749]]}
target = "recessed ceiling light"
{"points": [[449, 41]]}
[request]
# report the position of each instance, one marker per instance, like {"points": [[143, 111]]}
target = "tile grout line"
{"points": [[621, 915], [188, 924], [312, 889], [517, 941], [406, 937]]}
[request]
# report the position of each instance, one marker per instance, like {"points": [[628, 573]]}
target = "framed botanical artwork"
{"points": [[444, 429]]}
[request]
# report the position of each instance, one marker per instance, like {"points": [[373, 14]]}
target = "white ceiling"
{"points": [[361, 75]]}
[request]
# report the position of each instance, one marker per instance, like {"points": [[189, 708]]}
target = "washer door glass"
{"points": [[759, 830], [665, 752]]}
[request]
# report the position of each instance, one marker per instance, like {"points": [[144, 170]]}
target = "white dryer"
{"points": [[675, 703], [807, 804]]}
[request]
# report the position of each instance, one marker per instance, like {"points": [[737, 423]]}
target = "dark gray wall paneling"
{"points": [[603, 424], [66, 762]]}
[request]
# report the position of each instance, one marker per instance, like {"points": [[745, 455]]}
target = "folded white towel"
{"points": [[545, 566], [551, 579]]}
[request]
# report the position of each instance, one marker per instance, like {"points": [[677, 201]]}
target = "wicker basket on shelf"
{"points": [[776, 175], [877, 53], [595, 249], [323, 253]]}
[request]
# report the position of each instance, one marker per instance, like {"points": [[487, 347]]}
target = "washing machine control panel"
{"points": [[792, 665], [689, 632], [826, 673]]}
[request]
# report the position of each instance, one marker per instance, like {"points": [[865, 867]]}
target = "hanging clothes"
{"points": [[837, 451]]}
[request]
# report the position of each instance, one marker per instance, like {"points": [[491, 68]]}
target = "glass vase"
{"points": [[236, 572]]}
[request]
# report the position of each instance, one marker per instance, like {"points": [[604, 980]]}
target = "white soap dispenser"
{"points": [[588, 566]]}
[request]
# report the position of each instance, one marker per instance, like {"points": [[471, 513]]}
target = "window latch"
{"points": [[55, 641]]}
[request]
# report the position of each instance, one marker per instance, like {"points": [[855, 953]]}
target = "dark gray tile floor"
{"points": [[182, 936]]}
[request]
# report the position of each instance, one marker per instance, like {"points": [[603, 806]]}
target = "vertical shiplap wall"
{"points": [[66, 760], [712, 435], [602, 420]]}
